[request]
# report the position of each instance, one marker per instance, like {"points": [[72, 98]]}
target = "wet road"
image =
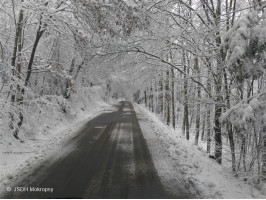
{"points": [[110, 160]]}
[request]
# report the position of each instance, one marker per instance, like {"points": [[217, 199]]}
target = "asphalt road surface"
{"points": [[110, 160]]}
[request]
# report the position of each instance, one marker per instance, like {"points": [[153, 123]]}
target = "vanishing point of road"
{"points": [[110, 160]]}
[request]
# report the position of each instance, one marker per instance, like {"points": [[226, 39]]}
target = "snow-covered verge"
{"points": [[45, 130], [184, 166]]}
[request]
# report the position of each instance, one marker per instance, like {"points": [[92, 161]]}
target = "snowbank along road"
{"points": [[110, 160]]}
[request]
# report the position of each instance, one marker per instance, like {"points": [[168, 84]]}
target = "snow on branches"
{"points": [[247, 114], [245, 46]]}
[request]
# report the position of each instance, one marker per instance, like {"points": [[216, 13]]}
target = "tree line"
{"points": [[211, 80]]}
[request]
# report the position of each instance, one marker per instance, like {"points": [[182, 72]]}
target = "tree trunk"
{"points": [[17, 71], [161, 95], [217, 127], [149, 97], [152, 103], [197, 128], [19, 96], [232, 146], [145, 98], [164, 97], [66, 92], [218, 88], [197, 125], [173, 97], [217, 115], [203, 127], [208, 125], [167, 96], [185, 119], [37, 39], [244, 151], [241, 153], [263, 169], [229, 126], [17, 47], [156, 95]]}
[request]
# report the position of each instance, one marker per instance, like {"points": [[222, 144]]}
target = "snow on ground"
{"points": [[184, 166], [46, 136]]}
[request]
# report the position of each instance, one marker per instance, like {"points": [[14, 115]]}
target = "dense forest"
{"points": [[199, 64]]}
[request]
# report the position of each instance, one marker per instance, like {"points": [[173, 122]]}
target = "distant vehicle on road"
{"points": [[121, 99]]}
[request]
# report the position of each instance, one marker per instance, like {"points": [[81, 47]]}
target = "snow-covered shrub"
{"points": [[248, 120], [247, 113]]}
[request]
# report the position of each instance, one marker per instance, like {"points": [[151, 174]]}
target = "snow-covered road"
{"points": [[108, 158], [125, 152]]}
